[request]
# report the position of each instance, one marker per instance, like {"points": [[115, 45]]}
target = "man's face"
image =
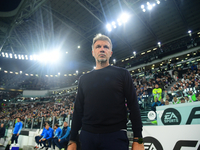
{"points": [[47, 127], [102, 51], [2, 125], [18, 120], [65, 124]]}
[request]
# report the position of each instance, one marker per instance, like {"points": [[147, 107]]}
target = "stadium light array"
{"points": [[44, 57], [123, 18], [149, 6]]}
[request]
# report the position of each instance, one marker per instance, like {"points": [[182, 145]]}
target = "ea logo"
{"points": [[151, 115], [171, 117], [151, 143]]}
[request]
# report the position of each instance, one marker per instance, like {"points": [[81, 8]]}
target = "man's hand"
{"points": [[39, 140], [136, 146], [72, 146], [43, 139], [59, 140], [17, 134]]}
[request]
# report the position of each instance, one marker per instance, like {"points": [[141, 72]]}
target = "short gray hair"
{"points": [[100, 37]]}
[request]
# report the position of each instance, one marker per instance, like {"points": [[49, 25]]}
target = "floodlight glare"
{"points": [[124, 17], [158, 2], [144, 10], [108, 26], [159, 43], [189, 31], [114, 60], [149, 7], [79, 46], [148, 3], [66, 52], [113, 23], [154, 4], [142, 6]]}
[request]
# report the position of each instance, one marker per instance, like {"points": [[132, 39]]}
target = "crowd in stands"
{"points": [[23, 81], [186, 88], [59, 107]]}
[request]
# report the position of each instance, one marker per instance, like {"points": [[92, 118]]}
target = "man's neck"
{"points": [[100, 65]]}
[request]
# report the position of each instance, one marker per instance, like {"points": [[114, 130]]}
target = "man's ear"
{"points": [[92, 53], [111, 53]]}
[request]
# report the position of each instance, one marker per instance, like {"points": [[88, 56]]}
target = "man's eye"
{"points": [[98, 46], [106, 47]]}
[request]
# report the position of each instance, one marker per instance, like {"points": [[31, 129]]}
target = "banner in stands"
{"points": [[177, 137], [179, 114]]}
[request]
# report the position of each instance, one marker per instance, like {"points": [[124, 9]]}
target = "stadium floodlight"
{"points": [[31, 57], [66, 52], [20, 72], [190, 32], [22, 57], [142, 6], [158, 2], [109, 27], [11, 55], [94, 67], [26, 57], [159, 44], [58, 73], [114, 24], [35, 57], [149, 7], [79, 46], [119, 22], [99, 34], [154, 4], [76, 71], [6, 55], [19, 56], [124, 17], [148, 3], [144, 10], [114, 60]]}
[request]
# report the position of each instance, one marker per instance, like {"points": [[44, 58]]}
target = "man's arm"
{"points": [[50, 135], [133, 106], [67, 133], [78, 113], [20, 128]]}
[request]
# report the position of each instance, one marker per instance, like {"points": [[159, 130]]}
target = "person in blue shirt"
{"points": [[16, 131], [64, 138], [47, 137], [57, 134], [37, 138]]}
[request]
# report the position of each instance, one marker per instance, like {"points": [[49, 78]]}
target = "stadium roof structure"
{"points": [[31, 26]]}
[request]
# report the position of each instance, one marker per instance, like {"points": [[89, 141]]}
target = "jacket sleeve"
{"points": [[50, 134], [67, 133], [132, 104], [78, 112], [42, 132], [20, 128]]}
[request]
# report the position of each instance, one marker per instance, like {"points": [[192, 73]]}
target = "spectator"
{"points": [[182, 100], [2, 131], [157, 92], [198, 96], [194, 67], [175, 100], [156, 103], [64, 138], [166, 102]]}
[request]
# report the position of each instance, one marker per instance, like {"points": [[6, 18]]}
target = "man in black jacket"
{"points": [[2, 131], [100, 109]]}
